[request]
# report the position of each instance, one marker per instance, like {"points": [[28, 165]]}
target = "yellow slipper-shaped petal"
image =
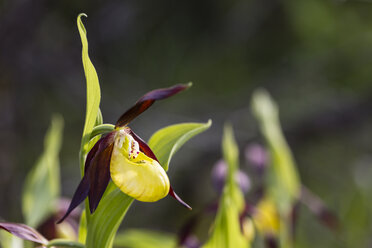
{"points": [[136, 174]]}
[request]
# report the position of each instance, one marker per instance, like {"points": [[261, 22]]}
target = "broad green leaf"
{"points": [[227, 228], [106, 220], [113, 206], [283, 180], [93, 94], [42, 186], [166, 141], [135, 238]]}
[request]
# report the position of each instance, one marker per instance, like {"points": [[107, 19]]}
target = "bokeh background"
{"points": [[313, 56]]}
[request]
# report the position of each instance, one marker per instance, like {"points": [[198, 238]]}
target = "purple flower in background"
{"points": [[257, 156], [219, 173]]}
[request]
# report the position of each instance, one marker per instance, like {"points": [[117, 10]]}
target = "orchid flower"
{"points": [[125, 158]]}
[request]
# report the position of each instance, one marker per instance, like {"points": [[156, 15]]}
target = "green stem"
{"points": [[65, 243], [101, 129]]}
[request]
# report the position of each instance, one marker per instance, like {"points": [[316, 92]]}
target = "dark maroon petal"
{"points": [[99, 171], [91, 154], [319, 209], [329, 219], [271, 241], [96, 177], [143, 146], [80, 194], [24, 232], [294, 219], [175, 196], [146, 101]]}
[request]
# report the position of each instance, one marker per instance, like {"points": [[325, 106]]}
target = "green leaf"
{"points": [[106, 220], [227, 228], [166, 141], [136, 238], [92, 115], [42, 186], [283, 180], [83, 227], [99, 118]]}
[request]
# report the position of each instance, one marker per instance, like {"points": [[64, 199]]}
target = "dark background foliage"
{"points": [[314, 56]]}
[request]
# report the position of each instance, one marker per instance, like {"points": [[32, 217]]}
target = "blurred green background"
{"points": [[313, 56]]}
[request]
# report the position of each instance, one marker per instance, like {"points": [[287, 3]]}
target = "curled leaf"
{"points": [[93, 91]]}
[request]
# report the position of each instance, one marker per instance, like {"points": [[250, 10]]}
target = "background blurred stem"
{"points": [[282, 180]]}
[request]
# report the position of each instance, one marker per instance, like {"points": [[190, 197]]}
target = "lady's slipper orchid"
{"points": [[125, 158]]}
